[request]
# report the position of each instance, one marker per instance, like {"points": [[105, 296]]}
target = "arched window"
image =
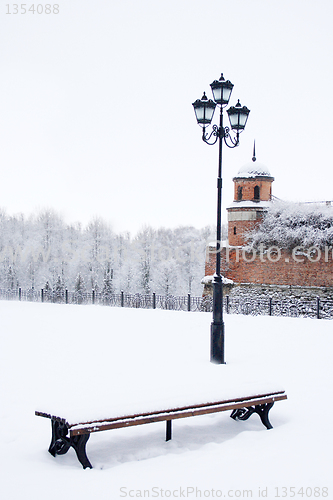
{"points": [[239, 193], [257, 193], [235, 230]]}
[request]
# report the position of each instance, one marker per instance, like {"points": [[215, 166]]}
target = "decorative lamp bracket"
{"points": [[214, 133], [234, 141], [220, 132]]}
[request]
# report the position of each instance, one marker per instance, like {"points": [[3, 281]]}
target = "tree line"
{"points": [[42, 251]]}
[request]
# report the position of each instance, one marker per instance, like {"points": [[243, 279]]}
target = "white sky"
{"points": [[96, 116]]}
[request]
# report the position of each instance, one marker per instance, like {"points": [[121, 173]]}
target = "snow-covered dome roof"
{"points": [[253, 169]]}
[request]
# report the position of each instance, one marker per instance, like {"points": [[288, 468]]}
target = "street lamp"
{"points": [[204, 110]]}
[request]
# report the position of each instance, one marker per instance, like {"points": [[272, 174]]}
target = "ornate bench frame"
{"points": [[79, 433]]}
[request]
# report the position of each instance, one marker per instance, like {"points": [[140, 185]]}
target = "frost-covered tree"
{"points": [[289, 225], [166, 278], [59, 290], [79, 288], [107, 290], [48, 292], [11, 281], [144, 243]]}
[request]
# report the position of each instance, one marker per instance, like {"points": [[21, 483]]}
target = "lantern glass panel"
{"points": [[233, 118], [242, 119], [217, 91], [199, 113], [226, 94], [209, 112]]}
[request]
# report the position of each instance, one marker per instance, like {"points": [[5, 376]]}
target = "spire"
{"points": [[254, 151]]}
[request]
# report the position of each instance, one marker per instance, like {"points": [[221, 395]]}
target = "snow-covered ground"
{"points": [[94, 358]]}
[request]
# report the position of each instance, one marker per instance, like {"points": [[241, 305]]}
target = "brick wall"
{"points": [[248, 185], [280, 269], [237, 230], [285, 271]]}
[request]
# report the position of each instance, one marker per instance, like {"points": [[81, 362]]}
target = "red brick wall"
{"points": [[280, 269], [285, 271], [242, 228], [248, 186]]}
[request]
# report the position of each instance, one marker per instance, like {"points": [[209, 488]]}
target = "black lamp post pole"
{"points": [[217, 326], [204, 110]]}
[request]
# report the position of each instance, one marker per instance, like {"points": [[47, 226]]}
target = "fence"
{"points": [[308, 307]]}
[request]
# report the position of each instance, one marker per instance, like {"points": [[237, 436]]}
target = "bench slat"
{"points": [[134, 420], [162, 412]]}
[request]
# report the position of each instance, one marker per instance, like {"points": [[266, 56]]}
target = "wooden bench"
{"points": [[79, 433]]}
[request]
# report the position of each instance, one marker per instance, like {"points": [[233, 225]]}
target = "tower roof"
{"points": [[253, 169]]}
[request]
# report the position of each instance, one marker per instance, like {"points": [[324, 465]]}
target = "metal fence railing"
{"points": [[306, 307]]}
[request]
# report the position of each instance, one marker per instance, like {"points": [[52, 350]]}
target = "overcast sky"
{"points": [[96, 114]]}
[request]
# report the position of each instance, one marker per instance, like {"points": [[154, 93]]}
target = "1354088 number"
{"points": [[24, 8], [301, 492]]}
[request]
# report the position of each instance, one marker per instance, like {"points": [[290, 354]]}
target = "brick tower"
{"points": [[252, 196]]}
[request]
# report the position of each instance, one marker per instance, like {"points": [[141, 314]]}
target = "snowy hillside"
{"points": [[83, 356]]}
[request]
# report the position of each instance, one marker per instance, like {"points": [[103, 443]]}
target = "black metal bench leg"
{"points": [[79, 445], [168, 430], [262, 410], [60, 443], [242, 413]]}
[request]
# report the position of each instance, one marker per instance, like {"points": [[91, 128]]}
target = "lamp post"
{"points": [[204, 110]]}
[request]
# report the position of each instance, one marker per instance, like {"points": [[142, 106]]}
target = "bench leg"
{"points": [[60, 443], [79, 445], [261, 410], [168, 430]]}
